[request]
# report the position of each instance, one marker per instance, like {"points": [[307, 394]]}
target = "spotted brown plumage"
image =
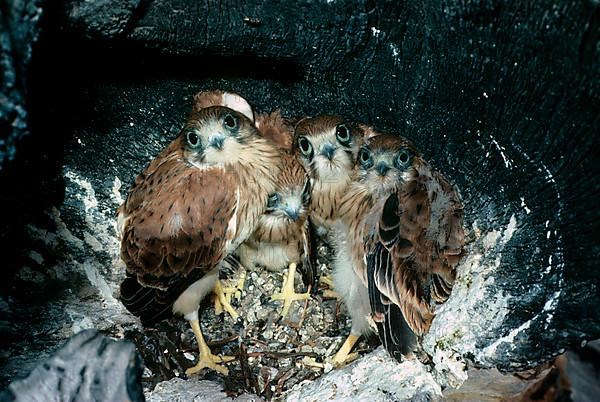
{"points": [[327, 146], [283, 237], [196, 202], [412, 259], [398, 240]]}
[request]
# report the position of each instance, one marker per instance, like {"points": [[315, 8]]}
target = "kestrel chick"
{"points": [[283, 237], [399, 238], [195, 203], [328, 146]]}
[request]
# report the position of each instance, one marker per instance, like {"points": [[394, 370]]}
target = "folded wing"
{"points": [[411, 264]]}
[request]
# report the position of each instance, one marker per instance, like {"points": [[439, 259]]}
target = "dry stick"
{"points": [[283, 379], [281, 355], [267, 389], [303, 312], [249, 379], [222, 342]]}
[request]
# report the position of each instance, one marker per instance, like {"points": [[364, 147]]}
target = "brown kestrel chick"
{"points": [[328, 146], [283, 237], [195, 203], [399, 239]]}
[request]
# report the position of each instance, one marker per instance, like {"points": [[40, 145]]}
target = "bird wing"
{"points": [[412, 260], [178, 224], [309, 266], [276, 129]]}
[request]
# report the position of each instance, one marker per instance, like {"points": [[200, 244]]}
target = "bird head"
{"points": [[327, 146], [386, 162], [216, 134], [290, 202]]}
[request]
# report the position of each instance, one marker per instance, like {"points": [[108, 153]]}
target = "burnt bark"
{"points": [[500, 96], [90, 367]]}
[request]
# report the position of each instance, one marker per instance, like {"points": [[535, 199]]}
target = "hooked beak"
{"points": [[292, 213], [217, 142], [382, 168], [328, 151]]}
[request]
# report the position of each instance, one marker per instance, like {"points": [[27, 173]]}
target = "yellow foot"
{"points": [[206, 359], [328, 293], [221, 301], [235, 291], [311, 362], [343, 356], [211, 362], [288, 294]]}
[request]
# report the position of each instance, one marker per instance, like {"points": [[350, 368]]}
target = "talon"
{"points": [[326, 280], [311, 362], [288, 294], [328, 293], [343, 356], [206, 359], [221, 302]]}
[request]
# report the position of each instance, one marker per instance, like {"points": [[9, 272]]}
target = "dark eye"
{"points": [[230, 121], [364, 156], [402, 159], [192, 138], [342, 132], [305, 146], [272, 201]]}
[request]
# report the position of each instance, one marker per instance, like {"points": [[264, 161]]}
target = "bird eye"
{"points": [[192, 138], [230, 121], [305, 146], [402, 159], [272, 201], [364, 156], [342, 133]]}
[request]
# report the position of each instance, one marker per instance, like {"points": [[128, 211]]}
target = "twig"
{"points": [[303, 313], [249, 379], [222, 342], [281, 355], [283, 379]]}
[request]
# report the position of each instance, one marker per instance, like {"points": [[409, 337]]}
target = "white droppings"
{"points": [[527, 210], [550, 306], [507, 162], [89, 195], [387, 380], [395, 51], [490, 350], [471, 310], [510, 229], [115, 191], [549, 267]]}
